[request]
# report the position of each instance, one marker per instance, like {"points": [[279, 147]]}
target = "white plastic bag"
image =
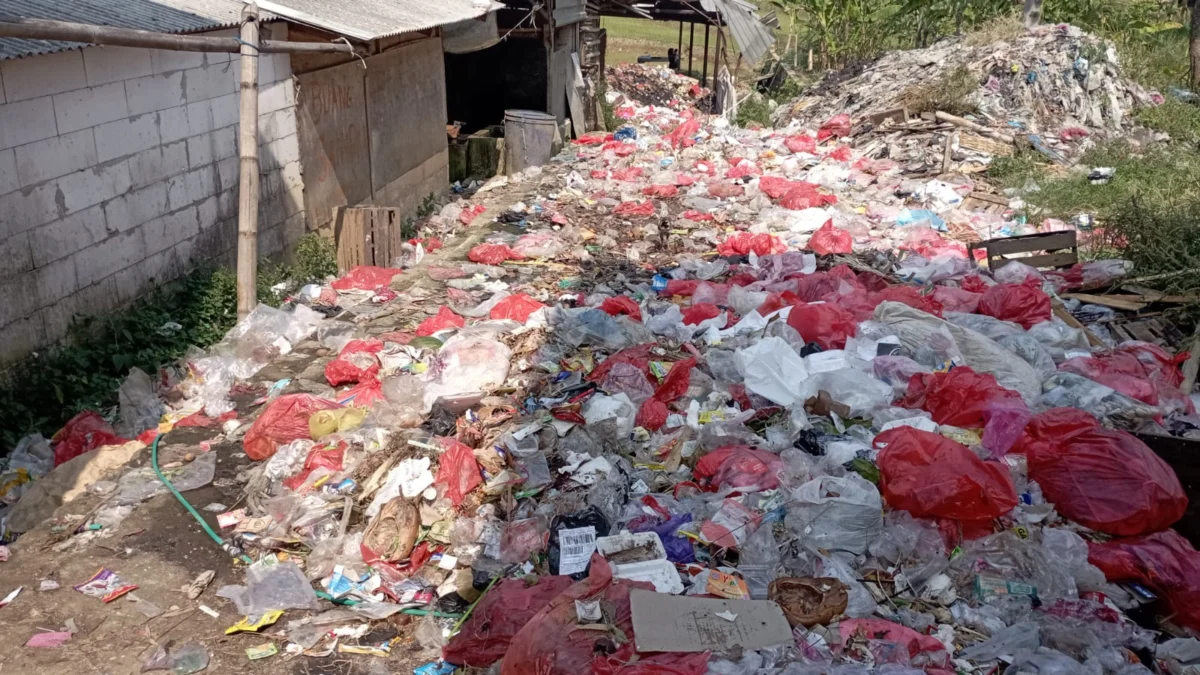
{"points": [[836, 513], [773, 370], [858, 390]]}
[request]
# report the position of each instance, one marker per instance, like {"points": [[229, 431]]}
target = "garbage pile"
{"points": [[654, 85], [712, 401], [1057, 83]]}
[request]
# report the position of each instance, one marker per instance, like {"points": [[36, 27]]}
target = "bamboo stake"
{"points": [[247, 252], [38, 29]]}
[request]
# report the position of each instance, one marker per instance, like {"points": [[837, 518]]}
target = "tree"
{"points": [[1194, 44], [1033, 13]]}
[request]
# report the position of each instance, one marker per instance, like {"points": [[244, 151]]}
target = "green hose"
{"points": [[228, 547]]}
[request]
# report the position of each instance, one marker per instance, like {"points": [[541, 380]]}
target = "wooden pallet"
{"points": [[1153, 330], [367, 235], [1052, 249]]}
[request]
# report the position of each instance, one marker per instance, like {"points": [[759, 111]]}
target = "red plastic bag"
{"points": [[282, 421], [799, 144], [621, 304], [974, 283], [742, 169], [82, 433], [320, 457], [682, 135], [630, 173], [681, 287], [363, 395], [742, 243], [638, 356], [458, 473], [663, 663], [492, 254], [956, 299], [516, 307], [883, 630], [909, 296], [1025, 303], [443, 320], [725, 190], [676, 383], [660, 190], [804, 196], [551, 643], [841, 153], [700, 312], [645, 208], [825, 324], [356, 362], [1119, 371], [838, 126], [1163, 561], [1158, 364], [1052, 424], [498, 617], [1106, 479], [740, 466], [365, 278], [652, 415], [697, 216], [829, 239], [470, 213], [931, 476], [957, 397], [776, 187]]}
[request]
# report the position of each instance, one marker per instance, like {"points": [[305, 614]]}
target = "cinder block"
{"points": [[276, 125], [266, 70], [89, 107], [109, 256], [25, 209], [191, 187], [57, 318], [126, 137], [206, 212], [293, 229], [225, 110], [224, 143], [158, 163], [3, 97], [199, 116], [43, 75], [111, 64], [16, 254], [200, 150], [8, 171], [154, 92], [211, 81], [274, 96], [173, 124], [131, 282], [54, 157], [227, 204], [163, 233], [60, 238], [283, 66], [279, 152], [91, 186], [228, 173], [167, 61], [129, 210], [55, 281], [20, 338], [20, 301], [26, 122]]}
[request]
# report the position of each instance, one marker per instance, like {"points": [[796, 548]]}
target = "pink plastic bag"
{"points": [[1004, 422], [931, 476], [798, 144], [829, 239], [516, 307], [645, 208], [725, 190], [956, 299], [740, 466], [365, 278], [838, 126], [282, 421], [1025, 303]]}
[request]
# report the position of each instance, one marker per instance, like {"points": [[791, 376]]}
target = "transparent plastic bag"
{"points": [[33, 454], [276, 586], [1031, 350], [140, 406], [858, 390], [984, 325], [861, 603], [467, 366], [836, 513], [1068, 390]]}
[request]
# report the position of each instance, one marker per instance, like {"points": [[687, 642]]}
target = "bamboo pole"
{"points": [[38, 29], [247, 251]]}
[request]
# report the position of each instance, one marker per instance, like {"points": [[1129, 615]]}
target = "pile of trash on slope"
{"points": [[1056, 82], [713, 401], [650, 85]]}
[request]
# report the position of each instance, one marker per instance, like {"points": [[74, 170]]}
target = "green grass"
{"points": [[630, 38]]}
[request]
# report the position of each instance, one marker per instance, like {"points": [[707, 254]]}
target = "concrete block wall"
{"points": [[119, 172], [411, 189]]}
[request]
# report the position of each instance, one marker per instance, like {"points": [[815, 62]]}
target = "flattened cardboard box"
{"points": [[672, 623]]}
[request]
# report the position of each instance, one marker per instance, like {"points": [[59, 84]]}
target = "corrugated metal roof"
{"points": [[753, 38], [166, 16], [373, 19]]}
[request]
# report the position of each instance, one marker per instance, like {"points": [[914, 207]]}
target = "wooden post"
{"points": [[679, 48], [247, 252], [704, 67], [691, 46]]}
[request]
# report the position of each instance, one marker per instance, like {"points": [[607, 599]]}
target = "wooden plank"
{"points": [[1150, 295], [1114, 301], [985, 145], [575, 97], [406, 109], [1048, 260], [986, 197], [1052, 241], [978, 128], [332, 124], [1141, 331], [898, 115], [351, 243]]}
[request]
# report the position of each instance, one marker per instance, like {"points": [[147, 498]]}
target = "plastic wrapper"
{"points": [[860, 603], [740, 467], [916, 329], [365, 278], [1163, 561], [271, 586], [1031, 350], [1024, 303], [1068, 390], [628, 379], [831, 240], [679, 548], [985, 325], [836, 513], [497, 619], [282, 421], [1013, 639], [34, 455], [825, 324], [1106, 479], [1004, 422], [897, 371], [140, 484], [931, 476], [957, 397], [1059, 338], [82, 433]]}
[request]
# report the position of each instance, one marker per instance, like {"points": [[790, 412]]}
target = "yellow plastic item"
{"points": [[325, 422]]}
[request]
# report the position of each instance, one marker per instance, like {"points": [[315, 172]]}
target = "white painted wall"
{"points": [[118, 172]]}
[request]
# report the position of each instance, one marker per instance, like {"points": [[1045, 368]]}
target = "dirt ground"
{"points": [[162, 549]]}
